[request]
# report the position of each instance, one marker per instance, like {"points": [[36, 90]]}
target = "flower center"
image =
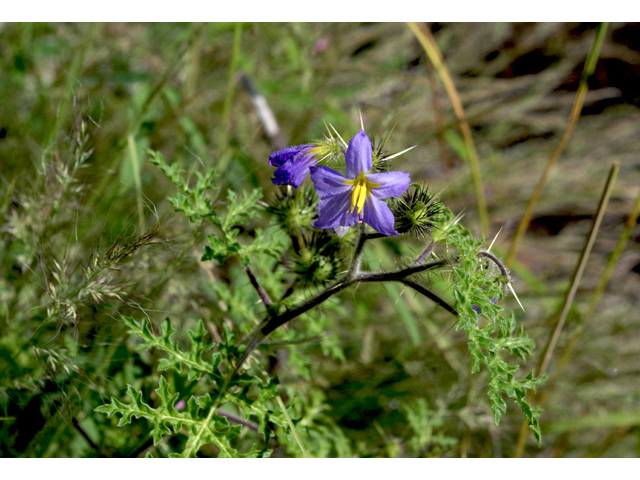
{"points": [[361, 190]]}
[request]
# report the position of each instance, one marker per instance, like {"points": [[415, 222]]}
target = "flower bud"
{"points": [[318, 261], [416, 211], [296, 210]]}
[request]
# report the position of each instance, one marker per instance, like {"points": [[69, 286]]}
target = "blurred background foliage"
{"points": [[69, 192]]}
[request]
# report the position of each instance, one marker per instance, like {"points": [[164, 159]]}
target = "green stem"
{"points": [[292, 427], [580, 266], [228, 99], [589, 68], [427, 41], [573, 288], [135, 163]]}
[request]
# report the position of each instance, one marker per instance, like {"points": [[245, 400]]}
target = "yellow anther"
{"points": [[361, 190]]}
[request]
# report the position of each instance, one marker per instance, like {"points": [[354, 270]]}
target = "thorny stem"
{"points": [[400, 274], [429, 294], [271, 323], [356, 259], [254, 281], [426, 253], [496, 260]]}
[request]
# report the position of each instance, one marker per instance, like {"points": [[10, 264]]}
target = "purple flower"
{"points": [[293, 164], [344, 201]]}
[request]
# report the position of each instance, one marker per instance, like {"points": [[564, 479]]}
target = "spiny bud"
{"points": [[294, 210], [328, 149], [416, 211], [317, 261]]}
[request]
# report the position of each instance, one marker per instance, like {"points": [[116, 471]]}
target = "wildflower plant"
{"points": [[313, 252], [98, 369]]}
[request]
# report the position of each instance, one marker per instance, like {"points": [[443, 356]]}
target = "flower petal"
{"points": [[378, 215], [359, 155], [327, 181], [286, 154], [333, 212], [392, 184]]}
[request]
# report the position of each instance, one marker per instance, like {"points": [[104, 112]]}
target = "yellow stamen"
{"points": [[361, 190]]}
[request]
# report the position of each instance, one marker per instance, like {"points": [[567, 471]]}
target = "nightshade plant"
{"points": [[315, 252]]}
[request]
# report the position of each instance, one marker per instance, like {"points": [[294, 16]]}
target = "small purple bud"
{"points": [[478, 310]]}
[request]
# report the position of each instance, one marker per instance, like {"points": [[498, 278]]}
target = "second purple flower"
{"points": [[293, 164]]}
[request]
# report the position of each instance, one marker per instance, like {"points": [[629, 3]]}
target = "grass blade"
{"points": [[589, 68], [573, 288], [427, 41]]}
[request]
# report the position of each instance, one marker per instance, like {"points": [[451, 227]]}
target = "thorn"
{"points": [[494, 240], [398, 154], [514, 294], [343, 142]]}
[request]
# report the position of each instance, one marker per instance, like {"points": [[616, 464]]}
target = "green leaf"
{"points": [[477, 287], [177, 359]]}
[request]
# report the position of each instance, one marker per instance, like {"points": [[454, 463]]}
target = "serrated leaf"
{"points": [[176, 358], [474, 287]]}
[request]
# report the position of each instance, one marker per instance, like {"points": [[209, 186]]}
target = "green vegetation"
{"points": [[161, 297]]}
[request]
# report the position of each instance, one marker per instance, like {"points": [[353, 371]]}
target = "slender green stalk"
{"points": [[589, 68], [573, 288], [292, 427], [427, 41], [577, 274], [622, 242], [135, 161], [193, 66], [447, 161], [595, 297], [228, 99]]}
